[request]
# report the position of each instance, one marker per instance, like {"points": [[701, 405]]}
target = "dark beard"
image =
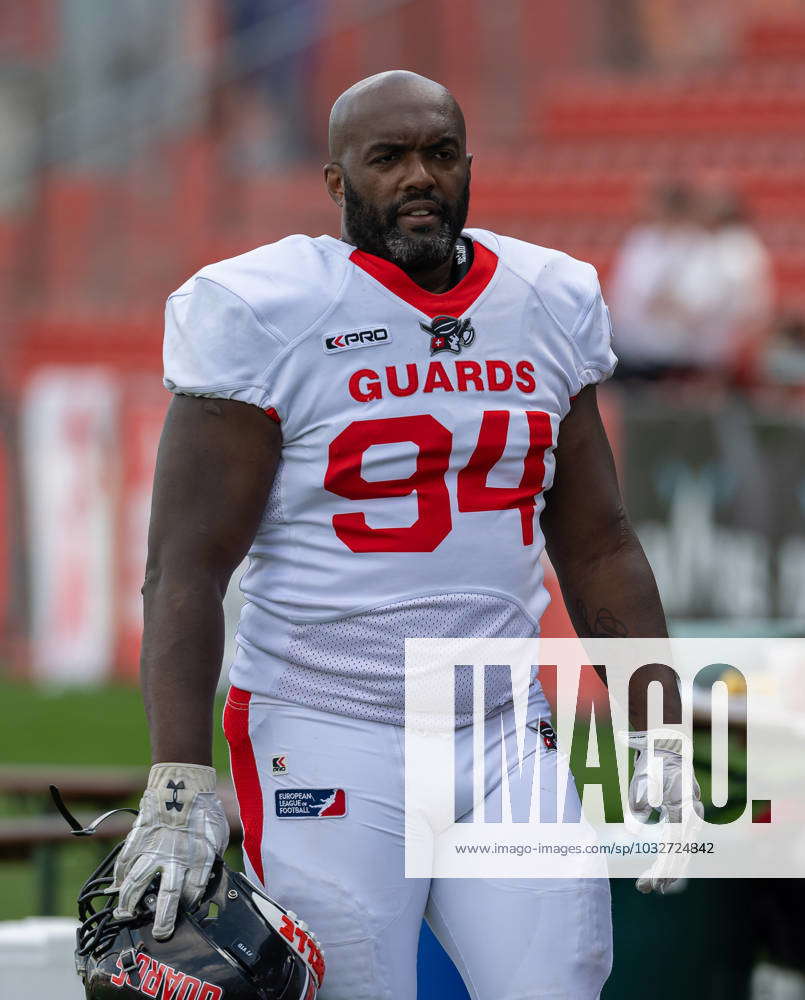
{"points": [[377, 231]]}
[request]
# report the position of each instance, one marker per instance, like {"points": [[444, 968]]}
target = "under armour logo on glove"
{"points": [[174, 802]]}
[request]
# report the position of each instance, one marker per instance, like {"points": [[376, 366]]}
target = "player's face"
{"points": [[406, 190]]}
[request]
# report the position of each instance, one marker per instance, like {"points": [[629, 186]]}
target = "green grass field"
{"points": [[95, 727], [90, 726]]}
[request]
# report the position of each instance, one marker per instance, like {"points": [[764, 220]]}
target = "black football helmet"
{"points": [[235, 944]]}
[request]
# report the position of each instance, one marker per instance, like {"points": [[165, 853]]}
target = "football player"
{"points": [[393, 425]]}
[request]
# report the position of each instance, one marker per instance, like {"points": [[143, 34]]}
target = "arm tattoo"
{"points": [[605, 626]]}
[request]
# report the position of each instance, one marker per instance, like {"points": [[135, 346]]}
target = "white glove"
{"points": [[658, 777], [180, 828]]}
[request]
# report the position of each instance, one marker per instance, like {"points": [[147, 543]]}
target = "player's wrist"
{"points": [[176, 791], [666, 739], [199, 777]]}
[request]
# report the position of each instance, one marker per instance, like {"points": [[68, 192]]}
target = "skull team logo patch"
{"points": [[449, 334], [310, 803]]}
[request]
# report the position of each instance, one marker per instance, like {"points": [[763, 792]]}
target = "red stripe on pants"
{"points": [[245, 776]]}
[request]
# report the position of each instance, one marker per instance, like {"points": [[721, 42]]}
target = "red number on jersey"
{"points": [[434, 441], [344, 478], [473, 494]]}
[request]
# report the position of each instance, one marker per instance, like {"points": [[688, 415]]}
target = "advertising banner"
{"points": [[717, 498], [70, 454]]}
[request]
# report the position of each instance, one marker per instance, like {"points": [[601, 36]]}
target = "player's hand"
{"points": [[658, 777], [179, 830]]}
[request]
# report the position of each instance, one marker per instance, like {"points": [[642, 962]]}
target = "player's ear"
{"points": [[334, 180]]}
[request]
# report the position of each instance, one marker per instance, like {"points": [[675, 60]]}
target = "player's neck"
{"points": [[441, 278], [434, 279]]}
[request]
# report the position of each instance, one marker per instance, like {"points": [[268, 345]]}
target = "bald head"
{"points": [[378, 101], [399, 170]]}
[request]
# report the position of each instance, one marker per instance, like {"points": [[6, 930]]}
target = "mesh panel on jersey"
{"points": [[355, 666], [273, 512]]}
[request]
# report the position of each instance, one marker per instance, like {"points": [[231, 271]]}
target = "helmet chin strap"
{"points": [[75, 827], [129, 963]]}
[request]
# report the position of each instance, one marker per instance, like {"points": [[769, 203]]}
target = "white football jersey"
{"points": [[418, 438]]}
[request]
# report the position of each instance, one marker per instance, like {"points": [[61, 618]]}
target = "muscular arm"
{"points": [[606, 580], [216, 463]]}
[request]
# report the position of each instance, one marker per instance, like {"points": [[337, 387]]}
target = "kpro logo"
{"points": [[356, 338]]}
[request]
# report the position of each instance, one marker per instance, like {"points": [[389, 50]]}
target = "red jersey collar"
{"points": [[454, 302]]}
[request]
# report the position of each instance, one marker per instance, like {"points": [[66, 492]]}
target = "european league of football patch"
{"points": [[310, 803]]}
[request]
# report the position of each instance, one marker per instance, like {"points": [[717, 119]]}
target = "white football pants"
{"points": [[343, 872]]}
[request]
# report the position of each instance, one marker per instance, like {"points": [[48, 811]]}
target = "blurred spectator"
{"points": [[691, 290], [272, 54], [651, 339], [724, 293]]}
